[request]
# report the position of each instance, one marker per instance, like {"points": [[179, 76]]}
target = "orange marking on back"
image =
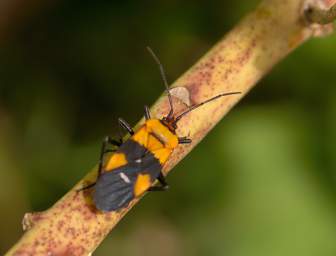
{"points": [[152, 134], [153, 143], [162, 154], [142, 183], [117, 160], [161, 131], [141, 136]]}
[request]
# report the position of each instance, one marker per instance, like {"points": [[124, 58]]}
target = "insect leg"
{"points": [[163, 181], [125, 126], [147, 113], [163, 184], [104, 150], [107, 140], [86, 187], [184, 140]]}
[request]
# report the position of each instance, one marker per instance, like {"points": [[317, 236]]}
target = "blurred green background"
{"points": [[262, 183]]}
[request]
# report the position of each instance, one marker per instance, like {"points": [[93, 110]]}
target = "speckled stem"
{"points": [[73, 226], [315, 14]]}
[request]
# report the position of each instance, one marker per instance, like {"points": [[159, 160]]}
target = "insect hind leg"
{"points": [[163, 184], [104, 150], [107, 141], [86, 187]]}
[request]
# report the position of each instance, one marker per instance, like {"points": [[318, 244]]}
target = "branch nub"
{"points": [[317, 15]]}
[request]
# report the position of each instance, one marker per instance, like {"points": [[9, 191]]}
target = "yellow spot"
{"points": [[142, 183], [117, 160], [153, 144], [162, 154], [157, 138], [141, 136]]}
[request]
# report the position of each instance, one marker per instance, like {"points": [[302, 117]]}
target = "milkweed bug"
{"points": [[138, 161]]}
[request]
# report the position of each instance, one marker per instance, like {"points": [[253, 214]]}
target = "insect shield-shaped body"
{"points": [[138, 162], [135, 166]]}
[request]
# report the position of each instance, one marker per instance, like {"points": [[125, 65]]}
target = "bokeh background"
{"points": [[262, 183]]}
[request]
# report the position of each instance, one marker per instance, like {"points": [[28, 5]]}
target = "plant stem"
{"points": [[316, 15], [72, 226]]}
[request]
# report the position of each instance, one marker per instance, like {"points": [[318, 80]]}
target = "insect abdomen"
{"points": [[113, 191], [116, 187]]}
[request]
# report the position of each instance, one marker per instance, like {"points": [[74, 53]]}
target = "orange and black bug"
{"points": [[137, 163]]}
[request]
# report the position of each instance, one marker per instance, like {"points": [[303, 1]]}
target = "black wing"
{"points": [[114, 189]]}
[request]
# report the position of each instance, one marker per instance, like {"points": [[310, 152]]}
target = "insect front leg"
{"points": [[184, 140], [147, 113], [125, 126]]}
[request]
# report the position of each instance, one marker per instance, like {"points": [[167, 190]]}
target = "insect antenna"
{"points": [[164, 78], [202, 103]]}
